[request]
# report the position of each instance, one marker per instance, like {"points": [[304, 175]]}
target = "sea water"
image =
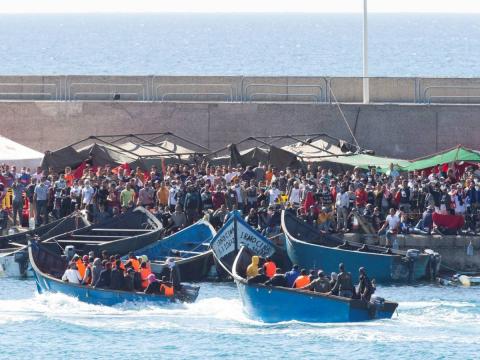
{"points": [[239, 44], [432, 322]]}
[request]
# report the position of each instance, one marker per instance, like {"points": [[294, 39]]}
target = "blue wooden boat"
{"points": [[234, 234], [118, 235], [190, 248], [48, 267], [276, 304], [311, 249]]}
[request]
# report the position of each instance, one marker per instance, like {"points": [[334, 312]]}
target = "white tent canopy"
{"points": [[13, 153]]}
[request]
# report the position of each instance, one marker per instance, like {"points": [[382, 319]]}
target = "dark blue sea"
{"points": [[432, 323], [239, 44]]}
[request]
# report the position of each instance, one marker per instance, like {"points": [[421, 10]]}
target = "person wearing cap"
{"points": [[321, 284], [365, 287]]}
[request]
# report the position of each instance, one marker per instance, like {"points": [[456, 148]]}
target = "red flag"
{"points": [[78, 172]]}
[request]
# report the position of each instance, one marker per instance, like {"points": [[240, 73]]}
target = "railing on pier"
{"points": [[315, 89]]}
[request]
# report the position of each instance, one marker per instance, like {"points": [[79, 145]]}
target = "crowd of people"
{"points": [[110, 272], [180, 194], [265, 271]]}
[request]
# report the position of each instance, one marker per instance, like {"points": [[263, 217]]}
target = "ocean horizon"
{"points": [[270, 44]]}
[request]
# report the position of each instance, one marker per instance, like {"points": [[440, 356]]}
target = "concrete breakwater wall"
{"points": [[400, 130], [452, 248]]}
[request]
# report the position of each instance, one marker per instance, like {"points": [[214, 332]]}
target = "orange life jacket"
{"points": [[168, 290], [80, 267], [144, 274], [301, 281], [135, 263], [270, 268]]}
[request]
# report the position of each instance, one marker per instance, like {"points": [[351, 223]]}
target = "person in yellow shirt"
{"points": [[324, 220], [252, 269], [162, 194]]}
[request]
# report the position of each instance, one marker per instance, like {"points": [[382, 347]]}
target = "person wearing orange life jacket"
{"points": [[166, 288], [144, 273], [87, 278], [132, 259], [122, 265], [80, 265], [302, 280], [270, 268]]}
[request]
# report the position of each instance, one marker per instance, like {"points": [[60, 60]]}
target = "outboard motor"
{"points": [[375, 304], [21, 257], [433, 263], [69, 252]]}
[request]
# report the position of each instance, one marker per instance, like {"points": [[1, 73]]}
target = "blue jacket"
{"points": [[291, 276]]}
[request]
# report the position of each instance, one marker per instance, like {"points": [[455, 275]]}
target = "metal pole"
{"points": [[366, 85]]}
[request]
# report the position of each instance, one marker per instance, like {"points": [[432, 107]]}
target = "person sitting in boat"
{"points": [[96, 270], [344, 284], [144, 274], [153, 285], [269, 267], [252, 269], [292, 275], [129, 280], [333, 280], [175, 278], [321, 284], [365, 286], [278, 279], [72, 275], [117, 277], [133, 261], [79, 264], [105, 275], [167, 288], [260, 278], [302, 280], [87, 278]]}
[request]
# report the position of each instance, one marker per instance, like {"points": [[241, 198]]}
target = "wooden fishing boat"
{"points": [[190, 248], [276, 304], [48, 268], [311, 249], [13, 248], [234, 234], [119, 235]]}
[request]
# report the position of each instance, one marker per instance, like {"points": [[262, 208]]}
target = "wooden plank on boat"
{"points": [[123, 230], [81, 241], [75, 236]]}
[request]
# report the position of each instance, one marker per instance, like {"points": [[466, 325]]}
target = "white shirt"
{"points": [[171, 196], [273, 195], [87, 193], [343, 200], [393, 222], [72, 276], [295, 196]]}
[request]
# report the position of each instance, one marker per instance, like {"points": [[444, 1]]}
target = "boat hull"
{"points": [[381, 267], [276, 305], [47, 283]]}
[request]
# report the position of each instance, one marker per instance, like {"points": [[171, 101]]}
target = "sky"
{"points": [[391, 6]]}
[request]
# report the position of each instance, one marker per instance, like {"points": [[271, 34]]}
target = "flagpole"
{"points": [[366, 84]]}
